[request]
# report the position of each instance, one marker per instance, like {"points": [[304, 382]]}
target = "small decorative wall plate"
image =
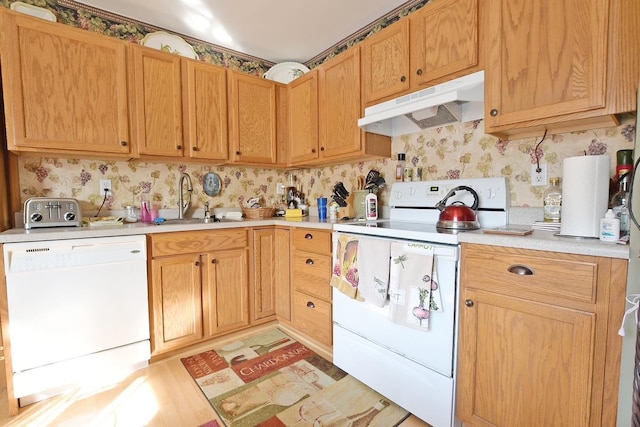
{"points": [[211, 184], [29, 9], [286, 72], [166, 42]]}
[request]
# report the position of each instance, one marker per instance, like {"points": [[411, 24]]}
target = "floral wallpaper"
{"points": [[453, 151], [449, 152]]}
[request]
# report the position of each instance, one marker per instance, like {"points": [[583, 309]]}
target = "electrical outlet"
{"points": [[539, 179], [105, 185], [280, 188]]}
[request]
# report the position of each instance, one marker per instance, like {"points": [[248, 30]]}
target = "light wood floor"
{"points": [[162, 394]]}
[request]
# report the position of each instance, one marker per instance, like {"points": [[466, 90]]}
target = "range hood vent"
{"points": [[459, 100]]}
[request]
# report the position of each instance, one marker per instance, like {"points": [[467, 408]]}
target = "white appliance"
{"points": [[78, 309], [629, 393], [416, 369], [458, 100]]}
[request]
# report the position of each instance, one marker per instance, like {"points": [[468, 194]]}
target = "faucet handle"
{"points": [[206, 210]]}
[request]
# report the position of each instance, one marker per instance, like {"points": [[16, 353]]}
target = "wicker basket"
{"points": [[258, 213]]}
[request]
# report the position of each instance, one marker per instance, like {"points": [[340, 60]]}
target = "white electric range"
{"points": [[414, 368]]}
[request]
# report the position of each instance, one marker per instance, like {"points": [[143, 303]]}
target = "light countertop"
{"points": [[538, 240]]}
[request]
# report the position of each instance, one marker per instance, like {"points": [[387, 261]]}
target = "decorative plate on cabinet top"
{"points": [[169, 43], [29, 9], [286, 72]]}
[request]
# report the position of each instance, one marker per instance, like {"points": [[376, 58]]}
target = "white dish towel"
{"points": [[413, 290]]}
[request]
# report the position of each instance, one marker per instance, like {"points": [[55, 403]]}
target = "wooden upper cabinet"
{"points": [[444, 40], [340, 108], [65, 89], [385, 62], [559, 65], [303, 118], [205, 110], [252, 119], [340, 104], [157, 95]]}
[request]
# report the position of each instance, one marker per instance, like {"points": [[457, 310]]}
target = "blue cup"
{"points": [[322, 208]]}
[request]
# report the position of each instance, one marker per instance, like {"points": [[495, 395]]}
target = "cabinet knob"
{"points": [[178, 147], [403, 79], [419, 71], [123, 143], [195, 148], [197, 263], [310, 304], [309, 261], [321, 148], [237, 153], [214, 261], [469, 303], [493, 112], [521, 270], [308, 236], [313, 150]]}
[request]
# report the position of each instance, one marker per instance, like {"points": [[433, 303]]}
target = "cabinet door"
{"points": [[283, 274], [205, 110], [385, 63], [340, 105], [227, 291], [252, 109], [264, 280], [65, 89], [523, 362], [547, 58], [303, 118], [176, 305], [158, 102], [444, 39]]}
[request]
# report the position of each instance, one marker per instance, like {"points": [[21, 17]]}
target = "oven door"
{"points": [[435, 348]]}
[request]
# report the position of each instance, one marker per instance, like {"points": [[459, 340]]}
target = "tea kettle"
{"points": [[458, 216]]}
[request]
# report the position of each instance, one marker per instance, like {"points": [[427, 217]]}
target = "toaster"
{"points": [[43, 212]]}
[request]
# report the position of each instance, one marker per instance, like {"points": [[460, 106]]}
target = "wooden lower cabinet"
{"points": [[538, 349], [271, 286], [199, 286], [310, 277]]}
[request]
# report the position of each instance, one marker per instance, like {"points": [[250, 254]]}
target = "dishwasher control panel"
{"points": [[42, 212]]}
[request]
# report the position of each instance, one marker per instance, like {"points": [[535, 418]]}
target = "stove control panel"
{"points": [[42, 212], [492, 193]]}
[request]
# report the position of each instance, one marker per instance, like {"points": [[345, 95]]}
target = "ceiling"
{"points": [[276, 31]]}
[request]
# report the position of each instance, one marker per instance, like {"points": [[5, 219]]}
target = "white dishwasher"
{"points": [[78, 310]]}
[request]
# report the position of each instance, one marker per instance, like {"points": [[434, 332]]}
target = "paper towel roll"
{"points": [[585, 194]]}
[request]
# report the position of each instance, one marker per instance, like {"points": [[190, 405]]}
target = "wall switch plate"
{"points": [[539, 179], [280, 188], [105, 185]]}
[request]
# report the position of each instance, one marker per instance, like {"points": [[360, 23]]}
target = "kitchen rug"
{"points": [[272, 380]]}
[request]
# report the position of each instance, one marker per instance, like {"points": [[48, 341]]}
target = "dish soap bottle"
{"points": [[609, 227], [552, 199], [619, 205], [371, 206]]}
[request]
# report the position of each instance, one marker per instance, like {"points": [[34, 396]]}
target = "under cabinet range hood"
{"points": [[458, 100]]}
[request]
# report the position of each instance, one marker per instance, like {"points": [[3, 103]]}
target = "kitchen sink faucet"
{"points": [[182, 206]]}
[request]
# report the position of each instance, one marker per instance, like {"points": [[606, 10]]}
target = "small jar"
{"points": [[130, 214]]}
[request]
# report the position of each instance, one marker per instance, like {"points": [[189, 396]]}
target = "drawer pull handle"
{"points": [[310, 304], [309, 262], [469, 303], [308, 236], [522, 270]]}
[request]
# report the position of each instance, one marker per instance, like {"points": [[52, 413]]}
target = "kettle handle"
{"points": [[476, 200]]}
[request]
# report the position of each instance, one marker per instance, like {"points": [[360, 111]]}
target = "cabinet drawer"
{"points": [[557, 275], [313, 317], [197, 241], [312, 274], [317, 241]]}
